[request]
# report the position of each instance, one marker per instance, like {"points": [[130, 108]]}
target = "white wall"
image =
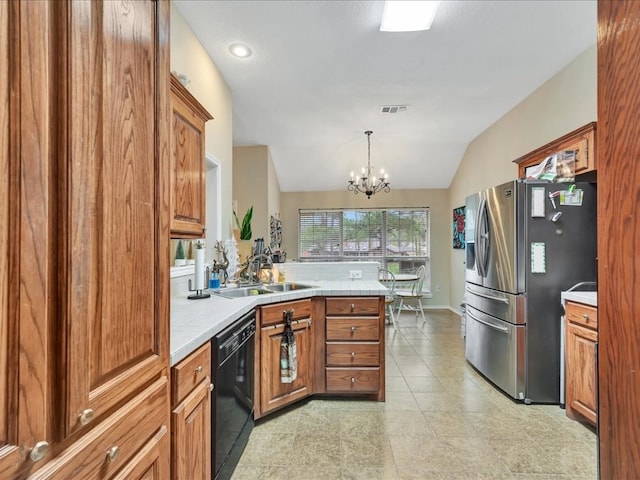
{"points": [[564, 103]]}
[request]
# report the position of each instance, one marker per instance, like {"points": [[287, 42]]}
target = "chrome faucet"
{"points": [[255, 261]]}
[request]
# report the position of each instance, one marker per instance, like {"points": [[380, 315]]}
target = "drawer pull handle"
{"points": [[353, 307], [585, 316], [199, 369], [113, 453], [212, 387], [353, 354], [38, 451], [86, 416], [353, 379], [353, 329]]}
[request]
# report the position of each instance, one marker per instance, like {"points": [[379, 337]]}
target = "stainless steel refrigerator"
{"points": [[525, 243]]}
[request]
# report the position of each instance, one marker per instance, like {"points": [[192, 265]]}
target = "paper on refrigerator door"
{"points": [[537, 201], [538, 258]]}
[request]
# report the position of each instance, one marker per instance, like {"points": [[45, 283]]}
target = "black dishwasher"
{"points": [[232, 416]]}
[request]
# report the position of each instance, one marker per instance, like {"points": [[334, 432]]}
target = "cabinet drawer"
{"points": [[353, 306], [581, 314], [272, 314], [345, 354], [356, 380], [187, 374], [353, 329], [124, 433]]}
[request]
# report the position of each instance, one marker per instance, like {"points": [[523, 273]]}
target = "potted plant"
{"points": [[245, 227], [244, 233], [180, 260]]}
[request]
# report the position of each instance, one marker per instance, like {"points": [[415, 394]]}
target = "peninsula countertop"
{"points": [[195, 322]]}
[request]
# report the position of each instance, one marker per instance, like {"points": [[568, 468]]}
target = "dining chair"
{"points": [[412, 300], [389, 280]]}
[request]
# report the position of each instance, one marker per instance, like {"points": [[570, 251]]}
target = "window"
{"points": [[397, 238]]}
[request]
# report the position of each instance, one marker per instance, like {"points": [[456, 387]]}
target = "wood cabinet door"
{"points": [[273, 393], [188, 163], [581, 372], [191, 435], [151, 462], [114, 220]]}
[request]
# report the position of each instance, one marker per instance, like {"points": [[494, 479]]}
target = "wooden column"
{"points": [[619, 237]]}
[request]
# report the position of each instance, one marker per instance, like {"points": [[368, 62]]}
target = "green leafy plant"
{"points": [[245, 227]]}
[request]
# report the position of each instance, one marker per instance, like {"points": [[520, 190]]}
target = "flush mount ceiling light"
{"points": [[240, 50], [367, 183], [408, 16]]}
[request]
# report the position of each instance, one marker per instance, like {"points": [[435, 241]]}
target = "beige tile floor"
{"points": [[441, 420]]}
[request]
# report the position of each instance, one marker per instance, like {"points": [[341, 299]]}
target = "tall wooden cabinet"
{"points": [[84, 239], [187, 163]]}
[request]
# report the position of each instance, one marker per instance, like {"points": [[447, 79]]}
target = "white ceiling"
{"points": [[321, 70]]}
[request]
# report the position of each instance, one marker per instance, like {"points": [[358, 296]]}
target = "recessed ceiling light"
{"points": [[408, 16], [240, 50]]}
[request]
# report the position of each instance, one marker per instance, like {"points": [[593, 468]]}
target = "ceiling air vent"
{"points": [[388, 109]]}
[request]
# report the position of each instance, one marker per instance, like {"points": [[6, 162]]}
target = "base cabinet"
{"points": [[581, 362], [271, 393], [354, 346], [191, 417]]}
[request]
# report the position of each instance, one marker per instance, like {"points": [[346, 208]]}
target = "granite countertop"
{"points": [[586, 297], [195, 322]]}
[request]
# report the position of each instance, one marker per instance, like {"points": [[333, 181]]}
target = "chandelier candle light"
{"points": [[368, 183]]}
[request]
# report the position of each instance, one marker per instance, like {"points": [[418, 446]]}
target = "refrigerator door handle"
{"points": [[489, 297], [482, 232], [490, 325]]}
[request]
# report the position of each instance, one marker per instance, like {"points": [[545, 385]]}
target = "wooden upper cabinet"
{"points": [[188, 190], [581, 141]]}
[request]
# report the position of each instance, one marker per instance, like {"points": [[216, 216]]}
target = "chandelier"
{"points": [[368, 183]]}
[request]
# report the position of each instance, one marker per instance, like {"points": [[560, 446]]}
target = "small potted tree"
{"points": [[180, 260], [191, 259]]}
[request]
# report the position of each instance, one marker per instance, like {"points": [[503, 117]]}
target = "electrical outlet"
{"points": [[437, 288], [355, 274]]}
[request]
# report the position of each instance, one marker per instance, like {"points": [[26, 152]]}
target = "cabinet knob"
{"points": [[211, 387], [38, 451], [353, 379], [353, 354], [353, 307], [199, 369], [353, 329], [113, 453], [585, 316], [86, 416]]}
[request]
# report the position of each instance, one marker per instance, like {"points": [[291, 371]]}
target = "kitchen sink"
{"points": [[253, 290], [287, 287], [242, 292]]}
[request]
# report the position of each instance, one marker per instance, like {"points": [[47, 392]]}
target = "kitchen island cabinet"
{"points": [[354, 333], [271, 394], [84, 350]]}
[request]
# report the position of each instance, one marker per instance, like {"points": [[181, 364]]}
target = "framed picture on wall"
{"points": [[458, 227]]}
